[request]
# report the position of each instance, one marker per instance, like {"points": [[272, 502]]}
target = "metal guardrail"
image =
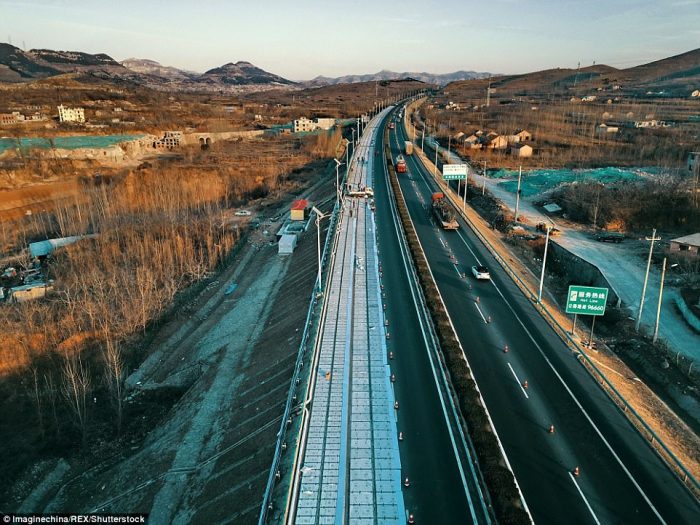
{"points": [[632, 415], [281, 436]]}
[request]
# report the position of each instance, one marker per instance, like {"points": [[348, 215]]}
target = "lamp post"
{"points": [[319, 215], [337, 181]]}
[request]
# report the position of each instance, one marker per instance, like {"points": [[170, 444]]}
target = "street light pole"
{"points": [[337, 181], [517, 196], [544, 262], [319, 216], [646, 277], [661, 294]]}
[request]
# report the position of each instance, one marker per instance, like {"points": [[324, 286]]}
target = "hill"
{"points": [[153, 68], [239, 74], [676, 76], [428, 78]]}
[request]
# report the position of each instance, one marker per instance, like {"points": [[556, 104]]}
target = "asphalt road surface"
{"points": [[433, 455], [622, 480]]}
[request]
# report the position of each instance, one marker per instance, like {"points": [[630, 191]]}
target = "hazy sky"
{"points": [[300, 39]]}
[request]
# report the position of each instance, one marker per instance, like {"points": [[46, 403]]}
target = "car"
{"points": [[481, 273], [243, 213], [610, 237]]}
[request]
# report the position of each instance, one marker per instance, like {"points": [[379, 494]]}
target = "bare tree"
{"points": [[76, 388]]}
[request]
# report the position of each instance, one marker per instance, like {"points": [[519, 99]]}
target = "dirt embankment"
{"points": [[220, 367]]}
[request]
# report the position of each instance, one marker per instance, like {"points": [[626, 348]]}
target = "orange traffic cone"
{"points": [[577, 472], [551, 429], [410, 520], [525, 384]]}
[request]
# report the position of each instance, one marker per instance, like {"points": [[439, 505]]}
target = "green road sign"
{"points": [[586, 300], [454, 171]]}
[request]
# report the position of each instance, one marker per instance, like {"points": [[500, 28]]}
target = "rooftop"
{"points": [[693, 239]]}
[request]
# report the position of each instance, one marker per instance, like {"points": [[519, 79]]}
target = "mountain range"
{"points": [[428, 78], [17, 65], [669, 76]]}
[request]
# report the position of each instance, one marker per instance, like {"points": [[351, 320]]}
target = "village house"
{"points": [[688, 245], [521, 135], [605, 129], [521, 150], [495, 141], [303, 124]]}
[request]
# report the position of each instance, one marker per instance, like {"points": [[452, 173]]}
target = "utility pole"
{"points": [[488, 95], [517, 198], [464, 197], [422, 140], [658, 307], [646, 277], [544, 262], [436, 153], [483, 186]]}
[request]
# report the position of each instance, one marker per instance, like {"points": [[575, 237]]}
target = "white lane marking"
{"points": [[590, 509], [518, 380], [566, 387], [480, 312], [583, 411], [457, 270], [393, 212]]}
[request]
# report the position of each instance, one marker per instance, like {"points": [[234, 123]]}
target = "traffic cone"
{"points": [[577, 472], [400, 436], [411, 519], [505, 349], [406, 483], [525, 384], [391, 355], [393, 378], [396, 405], [551, 429]]}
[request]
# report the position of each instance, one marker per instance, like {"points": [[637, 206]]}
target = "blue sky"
{"points": [[300, 39]]}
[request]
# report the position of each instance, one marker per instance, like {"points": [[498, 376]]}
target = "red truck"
{"points": [[400, 164]]}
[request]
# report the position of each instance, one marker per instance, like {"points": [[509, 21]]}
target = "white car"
{"points": [[243, 213], [481, 273]]}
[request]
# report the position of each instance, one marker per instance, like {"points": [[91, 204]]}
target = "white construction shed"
{"points": [[286, 244]]}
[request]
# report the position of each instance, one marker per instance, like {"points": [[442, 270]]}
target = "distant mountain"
{"points": [[241, 73], [675, 76], [22, 66], [18, 66], [153, 68], [72, 59], [428, 78]]}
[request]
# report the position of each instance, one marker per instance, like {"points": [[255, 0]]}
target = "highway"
{"points": [[537, 383], [434, 455], [364, 457]]}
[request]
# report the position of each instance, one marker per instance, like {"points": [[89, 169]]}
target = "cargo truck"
{"points": [[400, 164], [408, 147], [443, 212]]}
